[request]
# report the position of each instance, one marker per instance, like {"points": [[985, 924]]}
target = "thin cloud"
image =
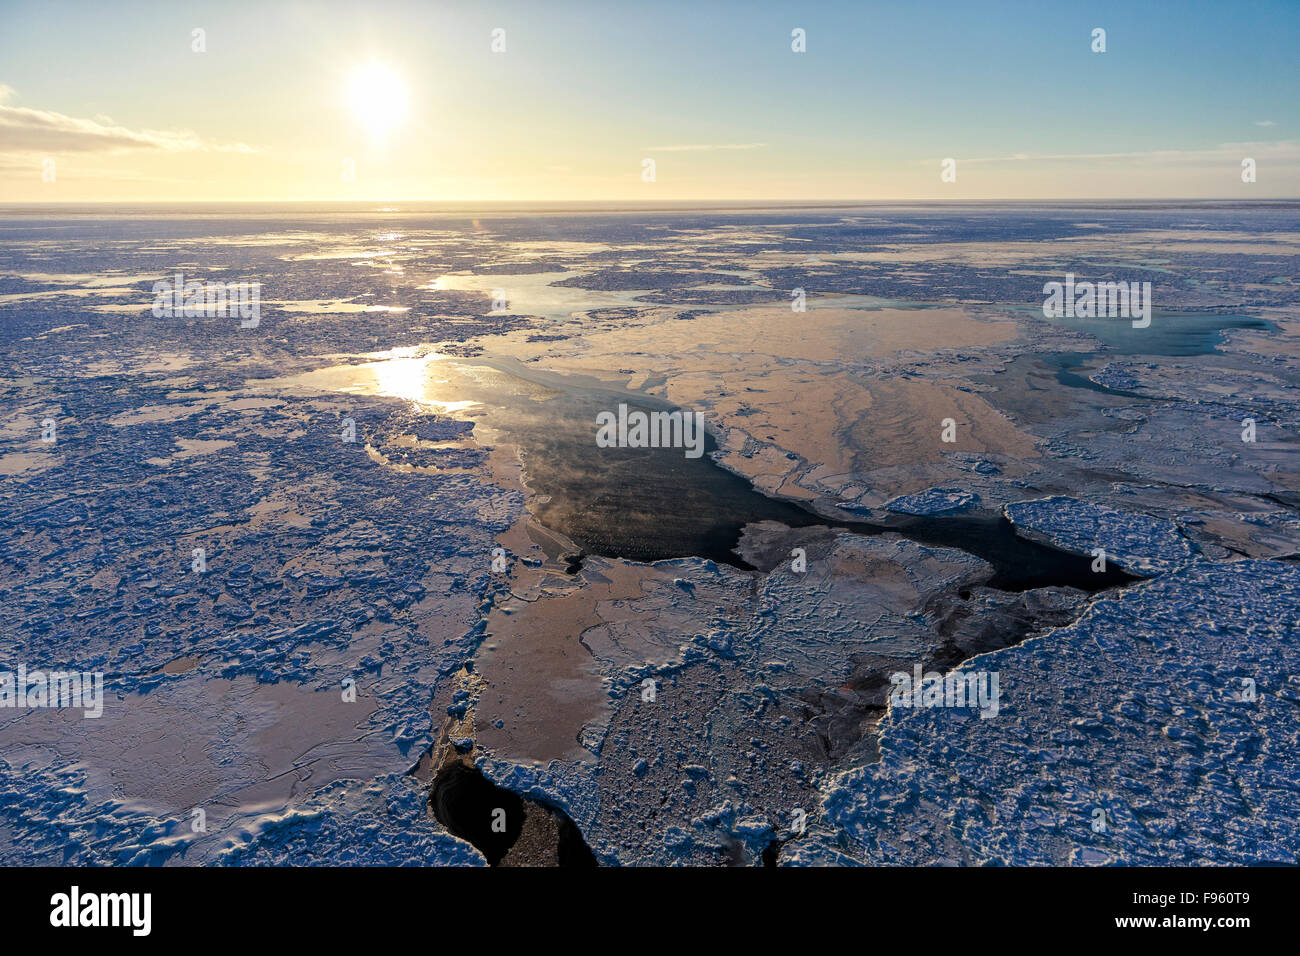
{"points": [[19, 166], [1265, 123], [24, 130], [703, 148], [1285, 151]]}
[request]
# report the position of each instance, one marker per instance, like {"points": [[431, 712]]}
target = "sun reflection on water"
{"points": [[410, 379]]}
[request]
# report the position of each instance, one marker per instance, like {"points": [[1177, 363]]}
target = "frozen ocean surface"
{"points": [[688, 661]]}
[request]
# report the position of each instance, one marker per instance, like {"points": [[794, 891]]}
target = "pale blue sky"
{"points": [[585, 91]]}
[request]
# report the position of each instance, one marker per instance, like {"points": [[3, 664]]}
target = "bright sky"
{"points": [[111, 101]]}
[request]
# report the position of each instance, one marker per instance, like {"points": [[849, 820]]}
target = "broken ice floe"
{"points": [[934, 501], [1134, 542], [1130, 736]]}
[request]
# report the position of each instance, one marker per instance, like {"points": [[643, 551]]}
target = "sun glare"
{"points": [[378, 98]]}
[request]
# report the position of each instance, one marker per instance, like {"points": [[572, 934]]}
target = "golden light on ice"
{"points": [[378, 98], [401, 378], [409, 378]]}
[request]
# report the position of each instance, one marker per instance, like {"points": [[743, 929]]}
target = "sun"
{"points": [[378, 98]]}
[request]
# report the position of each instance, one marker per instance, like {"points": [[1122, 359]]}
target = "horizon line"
{"points": [[632, 204]]}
